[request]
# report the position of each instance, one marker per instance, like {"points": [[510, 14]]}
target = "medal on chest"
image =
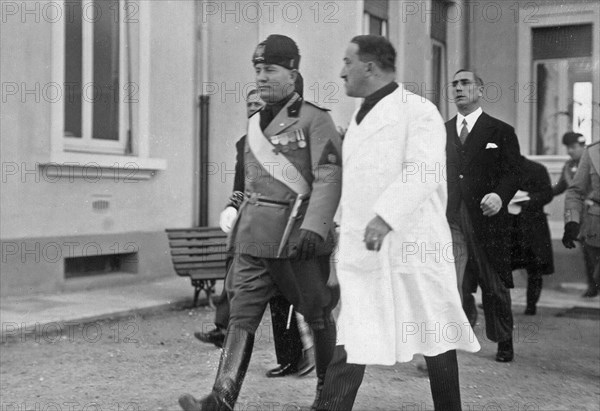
{"points": [[290, 141]]}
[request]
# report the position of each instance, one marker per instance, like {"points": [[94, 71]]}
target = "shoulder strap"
{"points": [[263, 151]]}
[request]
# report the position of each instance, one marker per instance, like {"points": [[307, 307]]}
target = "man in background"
{"points": [[582, 212], [483, 163], [575, 144]]}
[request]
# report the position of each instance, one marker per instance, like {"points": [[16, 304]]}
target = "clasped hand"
{"points": [[490, 204]]}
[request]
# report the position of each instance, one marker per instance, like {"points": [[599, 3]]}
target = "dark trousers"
{"points": [[495, 295], [287, 341], [343, 380], [253, 281], [591, 257]]}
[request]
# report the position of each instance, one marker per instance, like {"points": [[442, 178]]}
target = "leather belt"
{"points": [[254, 198]]}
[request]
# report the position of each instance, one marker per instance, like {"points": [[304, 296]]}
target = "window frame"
{"points": [[140, 64], [86, 142], [565, 122], [550, 15], [377, 13], [443, 71]]}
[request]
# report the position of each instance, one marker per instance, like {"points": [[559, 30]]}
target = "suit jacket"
{"points": [[532, 244], [489, 161], [305, 136]]}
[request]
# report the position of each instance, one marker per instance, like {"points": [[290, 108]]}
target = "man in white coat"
{"points": [[395, 268]]}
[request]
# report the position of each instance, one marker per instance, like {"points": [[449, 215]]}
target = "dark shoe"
{"points": [[282, 371], [591, 292], [216, 337], [505, 351], [209, 403], [306, 363], [530, 310]]}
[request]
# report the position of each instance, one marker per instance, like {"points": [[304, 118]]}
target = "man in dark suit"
{"points": [[483, 163]]}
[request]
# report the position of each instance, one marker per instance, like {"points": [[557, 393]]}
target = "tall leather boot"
{"points": [[534, 290], [324, 343], [230, 376]]}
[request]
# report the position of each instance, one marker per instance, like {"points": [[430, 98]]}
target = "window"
{"points": [[438, 53], [97, 112], [438, 70], [563, 76], [376, 17]]}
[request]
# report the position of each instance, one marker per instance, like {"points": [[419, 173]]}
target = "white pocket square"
{"points": [[491, 145]]}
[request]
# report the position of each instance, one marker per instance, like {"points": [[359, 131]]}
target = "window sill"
{"points": [[98, 166]]}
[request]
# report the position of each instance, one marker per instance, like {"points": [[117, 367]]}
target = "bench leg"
{"points": [[209, 292], [197, 289]]}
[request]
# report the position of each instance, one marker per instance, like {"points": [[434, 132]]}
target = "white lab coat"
{"points": [[402, 300]]}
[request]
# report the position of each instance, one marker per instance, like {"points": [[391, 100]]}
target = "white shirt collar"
{"points": [[471, 120]]}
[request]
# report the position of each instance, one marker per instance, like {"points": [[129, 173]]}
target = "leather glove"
{"points": [[307, 245], [227, 217], [570, 235]]}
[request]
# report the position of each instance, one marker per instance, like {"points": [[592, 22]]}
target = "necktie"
{"points": [[464, 132]]}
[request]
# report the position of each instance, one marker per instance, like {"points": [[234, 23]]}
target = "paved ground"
{"points": [[142, 360]]}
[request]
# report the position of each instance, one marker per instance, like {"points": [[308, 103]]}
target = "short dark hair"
{"points": [[377, 49], [475, 75]]}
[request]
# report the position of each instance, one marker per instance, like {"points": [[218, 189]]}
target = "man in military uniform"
{"points": [[582, 213], [294, 352], [575, 144], [282, 237]]}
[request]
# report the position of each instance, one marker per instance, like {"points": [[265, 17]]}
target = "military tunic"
{"points": [[299, 144], [582, 200], [566, 177]]}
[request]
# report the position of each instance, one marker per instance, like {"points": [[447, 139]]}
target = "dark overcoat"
{"points": [[532, 244]]}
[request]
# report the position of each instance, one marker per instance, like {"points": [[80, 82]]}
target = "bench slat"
{"points": [[205, 276], [195, 234], [201, 259], [196, 243], [198, 251], [215, 270]]}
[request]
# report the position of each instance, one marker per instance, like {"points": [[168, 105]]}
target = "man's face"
{"points": [[466, 92], [253, 104], [274, 82], [354, 72], [575, 150]]}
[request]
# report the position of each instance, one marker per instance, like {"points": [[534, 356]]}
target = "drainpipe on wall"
{"points": [[204, 134], [204, 105], [463, 32]]}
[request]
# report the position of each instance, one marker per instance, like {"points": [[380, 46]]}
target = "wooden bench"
{"points": [[199, 253]]}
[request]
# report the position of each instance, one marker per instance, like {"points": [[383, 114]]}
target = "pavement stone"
{"points": [[26, 312]]}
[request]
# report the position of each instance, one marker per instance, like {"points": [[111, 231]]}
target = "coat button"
{"points": [[461, 176]]}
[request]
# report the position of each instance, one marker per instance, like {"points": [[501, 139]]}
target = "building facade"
{"points": [[106, 140]]}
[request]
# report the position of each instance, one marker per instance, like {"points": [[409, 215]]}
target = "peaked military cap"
{"points": [[277, 49], [572, 138]]}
